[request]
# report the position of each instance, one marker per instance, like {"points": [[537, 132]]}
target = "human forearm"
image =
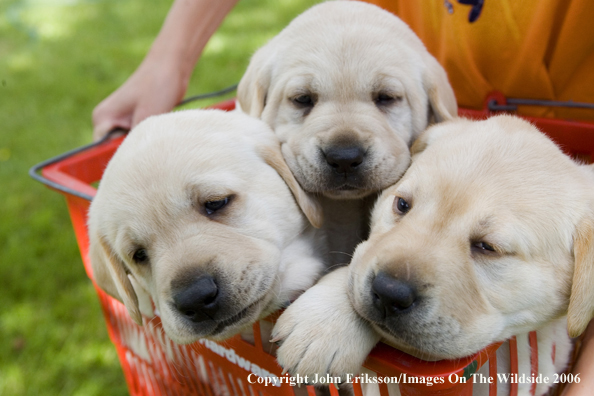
{"points": [[186, 30]]}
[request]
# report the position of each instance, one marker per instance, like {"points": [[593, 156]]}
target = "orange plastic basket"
{"points": [[154, 365]]}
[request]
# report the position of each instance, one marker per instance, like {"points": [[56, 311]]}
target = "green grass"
{"points": [[58, 59]]}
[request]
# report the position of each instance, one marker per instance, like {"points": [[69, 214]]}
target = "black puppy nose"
{"points": [[391, 295], [344, 159], [198, 301]]}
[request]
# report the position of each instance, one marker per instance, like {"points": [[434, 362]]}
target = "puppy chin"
{"points": [[423, 355], [429, 348], [232, 330], [187, 334], [347, 194], [183, 334], [183, 331], [406, 334]]}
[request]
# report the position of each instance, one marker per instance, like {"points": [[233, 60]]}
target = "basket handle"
{"points": [[35, 169]]}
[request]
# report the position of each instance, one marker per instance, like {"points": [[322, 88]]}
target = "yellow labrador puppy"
{"points": [[198, 212], [347, 87], [489, 234]]}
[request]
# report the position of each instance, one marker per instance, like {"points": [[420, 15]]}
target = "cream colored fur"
{"points": [[500, 182], [260, 245], [343, 55]]}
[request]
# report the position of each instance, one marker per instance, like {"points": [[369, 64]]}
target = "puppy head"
{"points": [[346, 87], [192, 211], [477, 241]]}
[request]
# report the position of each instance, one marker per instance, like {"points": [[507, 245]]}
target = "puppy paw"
{"points": [[320, 333]]}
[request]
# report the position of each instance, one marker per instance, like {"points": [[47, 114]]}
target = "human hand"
{"points": [[154, 88]]}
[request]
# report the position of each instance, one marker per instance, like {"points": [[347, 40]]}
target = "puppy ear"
{"points": [[581, 301], [434, 133], [420, 144], [427, 137], [309, 205], [253, 87], [441, 95], [109, 274]]}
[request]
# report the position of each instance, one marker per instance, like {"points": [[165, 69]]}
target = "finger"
{"points": [[110, 114], [104, 127]]}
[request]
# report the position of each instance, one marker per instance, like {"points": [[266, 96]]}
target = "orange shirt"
{"points": [[538, 49]]}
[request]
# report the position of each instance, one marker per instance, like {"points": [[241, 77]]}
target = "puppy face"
{"points": [[346, 87], [192, 212], [479, 240]]}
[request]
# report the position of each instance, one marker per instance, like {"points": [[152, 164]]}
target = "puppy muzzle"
{"points": [[207, 309]]}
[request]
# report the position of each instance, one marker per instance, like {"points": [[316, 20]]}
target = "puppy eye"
{"points": [[303, 101], [140, 256], [483, 247], [384, 99], [213, 206], [401, 206]]}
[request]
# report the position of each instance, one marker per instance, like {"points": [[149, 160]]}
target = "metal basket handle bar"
{"points": [[35, 169], [511, 104], [208, 95]]}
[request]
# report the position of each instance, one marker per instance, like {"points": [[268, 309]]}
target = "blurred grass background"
{"points": [[58, 59]]}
